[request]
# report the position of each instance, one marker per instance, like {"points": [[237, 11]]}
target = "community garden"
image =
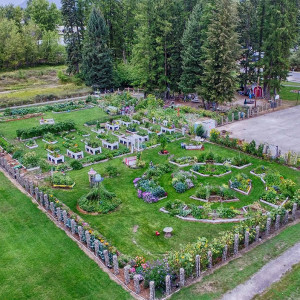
{"points": [[166, 203]]}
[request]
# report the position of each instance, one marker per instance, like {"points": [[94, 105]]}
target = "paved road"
{"points": [[294, 77], [280, 128], [266, 276]]}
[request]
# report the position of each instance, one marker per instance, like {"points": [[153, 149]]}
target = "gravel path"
{"points": [[266, 276]]}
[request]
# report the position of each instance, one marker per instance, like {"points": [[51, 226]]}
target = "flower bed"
{"points": [[147, 187], [183, 181], [49, 138], [214, 193], [207, 170], [211, 157], [60, 180], [182, 161], [99, 200], [31, 144], [240, 162], [191, 212], [241, 183]]}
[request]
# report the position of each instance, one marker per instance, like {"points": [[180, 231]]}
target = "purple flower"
{"points": [[136, 180], [140, 193]]}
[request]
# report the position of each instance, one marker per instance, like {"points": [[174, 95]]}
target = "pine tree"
{"points": [[281, 32], [73, 20], [192, 53], [97, 67], [221, 53]]}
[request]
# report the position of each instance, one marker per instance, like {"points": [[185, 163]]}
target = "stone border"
{"points": [[50, 143], [242, 167]]}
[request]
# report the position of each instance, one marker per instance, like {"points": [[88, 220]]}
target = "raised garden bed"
{"points": [[183, 181], [56, 159], [75, 155], [92, 150], [206, 170], [182, 161], [241, 184], [31, 144]]}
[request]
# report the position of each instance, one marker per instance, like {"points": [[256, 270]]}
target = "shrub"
{"points": [[112, 171], [61, 179], [200, 130], [30, 160], [76, 165]]}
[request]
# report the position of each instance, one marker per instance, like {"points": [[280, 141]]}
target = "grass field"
{"points": [[239, 270], [30, 85], [287, 288], [286, 91], [118, 226], [38, 260]]}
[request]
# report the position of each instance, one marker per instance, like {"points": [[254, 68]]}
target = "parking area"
{"points": [[280, 128]]}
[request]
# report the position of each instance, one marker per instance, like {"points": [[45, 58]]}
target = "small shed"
{"points": [[130, 161]]}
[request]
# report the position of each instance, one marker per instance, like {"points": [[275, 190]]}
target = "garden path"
{"points": [[266, 276]]}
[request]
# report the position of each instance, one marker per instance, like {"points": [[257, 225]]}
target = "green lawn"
{"points": [[239, 270], [287, 94], [287, 288], [117, 226], [38, 260]]}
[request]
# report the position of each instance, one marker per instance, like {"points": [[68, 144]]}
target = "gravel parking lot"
{"points": [[280, 128]]}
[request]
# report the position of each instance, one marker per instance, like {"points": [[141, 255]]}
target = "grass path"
{"points": [[38, 261]]}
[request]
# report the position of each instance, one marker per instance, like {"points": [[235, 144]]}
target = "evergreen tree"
{"points": [[97, 67], [221, 53], [192, 42], [73, 19], [280, 34]]}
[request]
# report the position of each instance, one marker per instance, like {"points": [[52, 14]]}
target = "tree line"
{"points": [[211, 47]]}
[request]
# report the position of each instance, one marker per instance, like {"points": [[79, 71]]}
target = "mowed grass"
{"points": [[287, 93], [39, 261], [241, 269], [287, 288], [118, 226]]}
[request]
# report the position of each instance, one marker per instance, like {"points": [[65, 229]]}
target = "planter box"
{"points": [[111, 146], [193, 147], [259, 176], [124, 123], [206, 175], [50, 143], [33, 169], [112, 127], [178, 165], [56, 160], [240, 191], [32, 147], [63, 186], [242, 167], [221, 201], [47, 122], [93, 151], [169, 130], [136, 122], [75, 155]]}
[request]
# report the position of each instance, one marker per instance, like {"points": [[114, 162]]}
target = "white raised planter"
{"points": [[93, 151], [124, 123], [47, 122], [50, 143], [221, 201], [111, 146], [75, 155], [32, 147], [136, 122], [241, 167], [206, 175], [56, 160], [167, 130], [193, 147], [112, 127]]}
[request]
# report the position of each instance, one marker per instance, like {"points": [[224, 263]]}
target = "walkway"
{"points": [[280, 128], [267, 275]]}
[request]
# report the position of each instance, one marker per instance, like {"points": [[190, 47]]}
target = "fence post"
{"points": [[246, 239], [37, 193], [257, 233], [65, 217], [73, 225], [152, 290], [236, 244], [182, 279], [198, 266], [46, 202], [168, 285], [294, 211], [96, 246], [224, 254], [268, 226], [286, 217], [80, 233], [209, 257], [232, 117], [136, 282], [277, 222], [116, 264], [126, 274], [87, 238], [106, 257]]}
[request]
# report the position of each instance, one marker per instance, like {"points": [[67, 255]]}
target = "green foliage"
{"points": [[221, 52], [76, 165], [61, 179], [97, 68]]}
